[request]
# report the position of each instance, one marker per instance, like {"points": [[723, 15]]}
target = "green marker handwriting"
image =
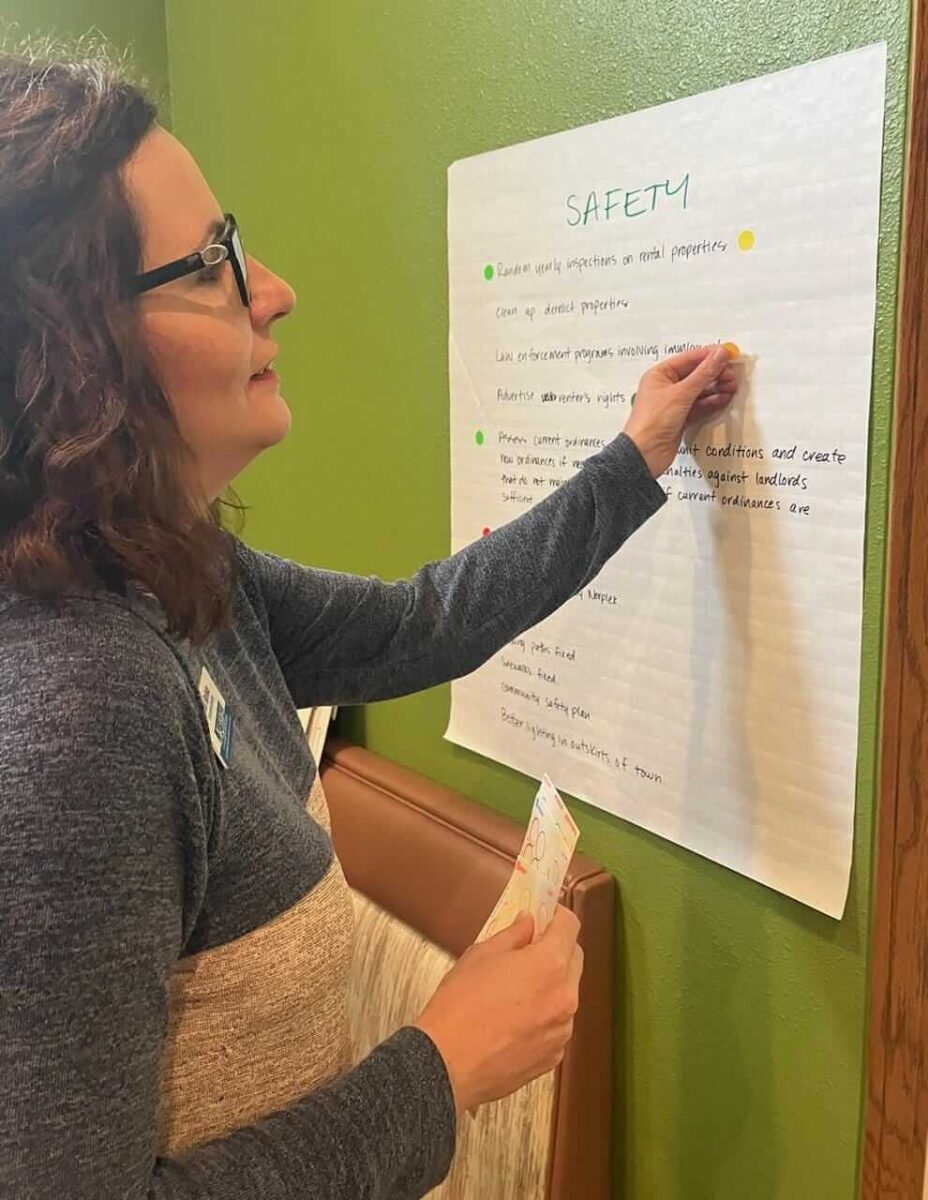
{"points": [[618, 203]]}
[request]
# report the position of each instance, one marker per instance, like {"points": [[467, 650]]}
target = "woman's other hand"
{"points": [[503, 1015]]}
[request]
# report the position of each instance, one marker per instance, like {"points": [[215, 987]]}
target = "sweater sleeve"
{"points": [[108, 798], [346, 639]]}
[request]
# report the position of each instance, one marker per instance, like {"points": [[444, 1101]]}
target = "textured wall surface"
{"points": [[328, 130]]}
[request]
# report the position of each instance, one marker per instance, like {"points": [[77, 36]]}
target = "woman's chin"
{"points": [[273, 421]]}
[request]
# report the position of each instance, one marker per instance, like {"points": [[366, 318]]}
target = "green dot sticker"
{"points": [[488, 271], [634, 394], [478, 437]]}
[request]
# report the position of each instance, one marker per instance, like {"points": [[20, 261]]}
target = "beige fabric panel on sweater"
{"points": [[503, 1153], [258, 1023], [317, 807]]}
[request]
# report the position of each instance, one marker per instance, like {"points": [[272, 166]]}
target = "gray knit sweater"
{"points": [[125, 846]]}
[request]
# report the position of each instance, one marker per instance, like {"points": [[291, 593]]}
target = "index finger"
{"points": [[561, 934]]}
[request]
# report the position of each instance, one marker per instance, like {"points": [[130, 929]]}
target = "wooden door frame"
{"points": [[896, 1115]]}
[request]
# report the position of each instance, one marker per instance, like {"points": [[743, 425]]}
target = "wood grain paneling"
{"points": [[897, 1090]]}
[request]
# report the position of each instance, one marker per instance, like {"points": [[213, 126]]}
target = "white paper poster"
{"points": [[705, 686]]}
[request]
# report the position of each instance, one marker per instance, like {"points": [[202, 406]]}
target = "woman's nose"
{"points": [[271, 296]]}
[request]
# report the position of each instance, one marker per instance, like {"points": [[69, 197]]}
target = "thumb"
{"points": [[516, 936], [707, 372]]}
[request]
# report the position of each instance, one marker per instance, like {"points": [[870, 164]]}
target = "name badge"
{"points": [[219, 719]]}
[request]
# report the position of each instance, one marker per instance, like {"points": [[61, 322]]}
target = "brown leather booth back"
{"points": [[438, 861]]}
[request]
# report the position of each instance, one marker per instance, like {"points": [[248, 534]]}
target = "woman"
{"points": [[174, 927]]}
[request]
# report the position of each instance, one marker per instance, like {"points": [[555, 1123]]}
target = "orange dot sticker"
{"points": [[734, 350], [746, 239]]}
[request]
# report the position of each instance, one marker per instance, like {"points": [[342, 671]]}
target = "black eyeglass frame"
{"points": [[227, 246]]}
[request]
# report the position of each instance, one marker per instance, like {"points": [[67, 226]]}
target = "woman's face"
{"points": [[206, 345]]}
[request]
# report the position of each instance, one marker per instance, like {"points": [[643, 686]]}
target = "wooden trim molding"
{"points": [[896, 1117]]}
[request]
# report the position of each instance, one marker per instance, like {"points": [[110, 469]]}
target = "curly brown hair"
{"points": [[91, 457]]}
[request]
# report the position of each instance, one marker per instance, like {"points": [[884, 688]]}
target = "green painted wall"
{"points": [[138, 25], [327, 129]]}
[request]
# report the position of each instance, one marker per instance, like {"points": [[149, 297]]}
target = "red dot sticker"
{"points": [[486, 530]]}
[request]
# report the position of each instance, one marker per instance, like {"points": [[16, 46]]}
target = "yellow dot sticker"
{"points": [[734, 351], [746, 239]]}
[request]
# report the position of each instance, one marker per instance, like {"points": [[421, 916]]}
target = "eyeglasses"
{"points": [[227, 245]]}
